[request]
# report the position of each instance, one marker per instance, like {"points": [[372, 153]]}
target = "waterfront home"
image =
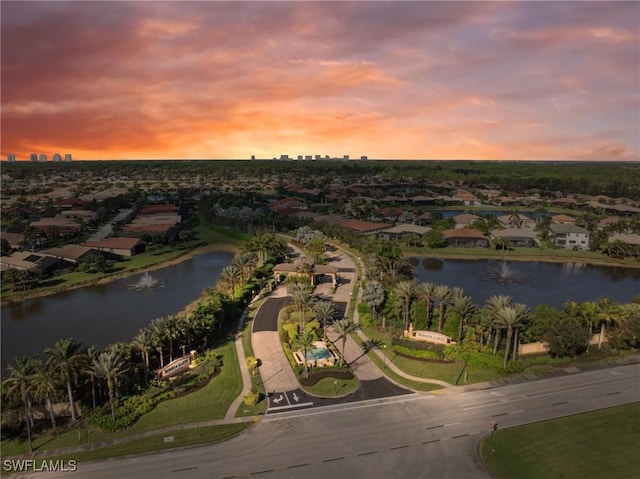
{"points": [[569, 236]]}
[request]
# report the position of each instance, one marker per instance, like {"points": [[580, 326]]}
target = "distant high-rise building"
{"points": [[284, 157], [11, 157], [318, 157], [253, 157], [43, 157], [57, 157], [307, 157], [364, 158], [345, 157], [33, 157], [67, 157], [300, 157]]}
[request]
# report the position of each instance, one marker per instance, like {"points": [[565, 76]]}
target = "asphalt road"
{"points": [[408, 436]]}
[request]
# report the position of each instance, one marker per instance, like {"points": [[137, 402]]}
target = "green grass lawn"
{"points": [[327, 388], [422, 369], [210, 402], [188, 437], [599, 444]]}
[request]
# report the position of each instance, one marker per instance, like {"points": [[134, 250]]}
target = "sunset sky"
{"points": [[406, 80]]}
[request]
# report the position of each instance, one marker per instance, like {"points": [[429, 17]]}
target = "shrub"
{"points": [[252, 398], [416, 353]]}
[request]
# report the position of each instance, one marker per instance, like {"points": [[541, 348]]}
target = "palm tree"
{"points": [[91, 354], [373, 295], [442, 294], [465, 309], [406, 291], [324, 311], [245, 261], [494, 304], [607, 314], [305, 342], [65, 354], [427, 292], [303, 297], [344, 327], [45, 384], [18, 383], [109, 365], [511, 318], [171, 332], [158, 334], [143, 342], [231, 275]]}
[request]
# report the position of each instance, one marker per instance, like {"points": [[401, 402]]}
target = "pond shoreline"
{"points": [[120, 275], [523, 258]]}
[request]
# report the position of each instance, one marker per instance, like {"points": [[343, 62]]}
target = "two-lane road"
{"points": [[413, 436]]}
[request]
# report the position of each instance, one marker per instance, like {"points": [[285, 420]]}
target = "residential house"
{"points": [[120, 246], [517, 236], [562, 219], [401, 231], [26, 260], [516, 221], [465, 237], [569, 236], [364, 227], [465, 220]]}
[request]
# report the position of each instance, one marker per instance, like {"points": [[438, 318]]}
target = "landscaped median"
{"points": [[324, 381], [594, 445]]}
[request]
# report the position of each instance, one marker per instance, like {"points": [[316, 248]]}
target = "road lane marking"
{"points": [[298, 465], [436, 427], [292, 406], [461, 435], [185, 469], [429, 442], [398, 447], [334, 459], [367, 453]]}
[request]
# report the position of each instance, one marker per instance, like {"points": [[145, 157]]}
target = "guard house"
{"points": [[307, 270]]}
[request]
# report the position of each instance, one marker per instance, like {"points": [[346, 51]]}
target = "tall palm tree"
{"points": [[511, 318], [305, 342], [91, 354], [442, 294], [324, 312], [158, 334], [494, 304], [66, 355], [463, 305], [143, 342], [45, 384], [231, 276], [373, 296], [304, 298], [427, 292], [344, 327], [245, 261], [406, 291], [608, 313], [109, 365], [171, 332], [17, 384]]}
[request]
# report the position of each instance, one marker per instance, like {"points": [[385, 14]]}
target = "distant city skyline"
{"points": [[389, 80]]}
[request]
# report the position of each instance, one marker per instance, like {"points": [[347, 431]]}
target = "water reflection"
{"points": [[103, 314], [432, 264], [533, 282]]}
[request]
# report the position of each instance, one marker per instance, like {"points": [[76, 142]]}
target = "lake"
{"points": [[103, 314], [531, 282]]}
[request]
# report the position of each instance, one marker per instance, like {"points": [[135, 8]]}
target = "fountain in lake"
{"points": [[145, 282], [504, 273]]}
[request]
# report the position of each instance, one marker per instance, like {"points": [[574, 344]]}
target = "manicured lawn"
{"points": [[188, 437], [442, 371], [210, 402], [327, 388], [599, 444]]}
